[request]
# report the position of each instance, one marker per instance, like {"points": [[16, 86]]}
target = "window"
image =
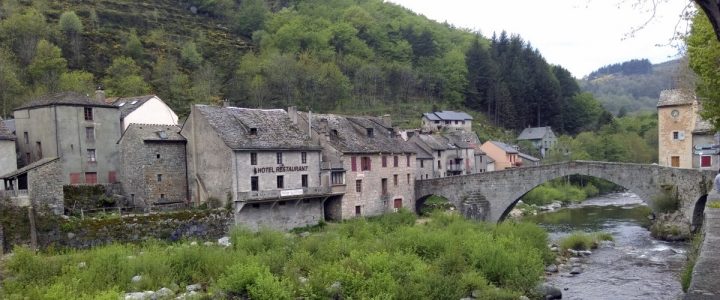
{"points": [[162, 196], [254, 184], [27, 138], [27, 156], [370, 132], [112, 177], [91, 178], [256, 205], [383, 184], [407, 160], [678, 135], [337, 178], [159, 177], [456, 122], [395, 161], [279, 158], [439, 165], [706, 161], [384, 161], [395, 180], [397, 203], [439, 153], [353, 163], [157, 156], [39, 150], [253, 158], [358, 186], [437, 122], [357, 210], [74, 178], [91, 155], [88, 114], [463, 122], [365, 164], [447, 122], [282, 203], [303, 157], [408, 178], [422, 163], [304, 180], [253, 131], [90, 134], [281, 182], [675, 161]]}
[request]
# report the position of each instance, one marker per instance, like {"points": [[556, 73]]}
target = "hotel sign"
{"points": [[280, 169], [296, 192]]}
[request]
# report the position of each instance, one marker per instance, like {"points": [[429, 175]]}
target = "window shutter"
{"points": [[681, 135], [353, 162], [369, 163]]}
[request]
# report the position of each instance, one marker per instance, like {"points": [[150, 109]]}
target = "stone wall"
{"points": [[705, 282], [280, 215], [202, 225], [45, 186]]}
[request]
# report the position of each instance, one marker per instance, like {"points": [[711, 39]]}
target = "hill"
{"points": [[348, 56], [635, 85]]}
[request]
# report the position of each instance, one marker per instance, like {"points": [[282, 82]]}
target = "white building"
{"points": [[447, 120], [148, 109]]}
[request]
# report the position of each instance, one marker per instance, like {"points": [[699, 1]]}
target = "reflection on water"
{"points": [[637, 267]]}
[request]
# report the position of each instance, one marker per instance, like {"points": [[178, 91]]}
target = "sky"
{"points": [[580, 35]]}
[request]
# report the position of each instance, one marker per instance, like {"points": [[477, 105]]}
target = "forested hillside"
{"points": [[635, 85], [350, 56]]}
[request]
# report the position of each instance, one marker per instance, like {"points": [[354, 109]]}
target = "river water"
{"points": [[636, 267]]}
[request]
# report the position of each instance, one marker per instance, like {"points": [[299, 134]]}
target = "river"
{"points": [[636, 267]]}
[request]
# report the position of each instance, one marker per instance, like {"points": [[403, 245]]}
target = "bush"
{"points": [[714, 204], [584, 241], [686, 273], [666, 201], [434, 203]]}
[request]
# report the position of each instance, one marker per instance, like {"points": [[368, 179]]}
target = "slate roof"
{"points": [[675, 97], [154, 132], [528, 157], [348, 134], [128, 105], [421, 153], [9, 124], [435, 142], [534, 133], [447, 115], [6, 133], [462, 139], [29, 167], [64, 98], [702, 126], [274, 128], [505, 147]]}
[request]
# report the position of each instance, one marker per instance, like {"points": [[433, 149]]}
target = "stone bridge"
{"points": [[490, 196]]}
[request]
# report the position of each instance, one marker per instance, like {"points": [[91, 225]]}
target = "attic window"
{"points": [[162, 134], [253, 131], [132, 103], [121, 104], [334, 132], [370, 132]]}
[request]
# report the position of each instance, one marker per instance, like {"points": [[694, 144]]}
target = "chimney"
{"points": [[292, 113], [387, 121], [100, 95]]}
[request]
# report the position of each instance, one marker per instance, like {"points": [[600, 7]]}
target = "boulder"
{"points": [[136, 279], [224, 241], [551, 268], [576, 270], [146, 295], [164, 293], [304, 234], [193, 287], [549, 291]]}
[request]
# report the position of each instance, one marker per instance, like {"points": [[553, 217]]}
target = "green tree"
{"points": [[133, 45], [22, 32], [72, 28], [77, 81], [171, 85], [251, 16], [190, 56], [10, 85], [123, 78], [704, 52], [47, 66]]}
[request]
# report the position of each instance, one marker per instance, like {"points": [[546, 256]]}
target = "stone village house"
{"points": [[446, 121], [257, 159], [453, 153], [153, 165], [543, 138], [503, 155], [8, 157], [366, 157], [80, 131]]}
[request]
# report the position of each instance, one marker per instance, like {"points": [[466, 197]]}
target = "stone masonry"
{"points": [[45, 186], [490, 196]]}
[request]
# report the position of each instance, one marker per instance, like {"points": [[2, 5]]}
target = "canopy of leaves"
{"points": [[704, 53]]}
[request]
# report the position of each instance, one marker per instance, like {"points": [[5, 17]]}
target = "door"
{"points": [[675, 161], [397, 204]]}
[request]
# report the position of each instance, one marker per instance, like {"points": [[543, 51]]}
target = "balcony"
{"points": [[308, 192], [331, 165], [455, 168]]}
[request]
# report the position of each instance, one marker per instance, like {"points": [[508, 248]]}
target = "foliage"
{"points": [[434, 203], [85, 197], [633, 66], [704, 52], [124, 78], [714, 204], [47, 65], [555, 190], [667, 201], [584, 241], [387, 257]]}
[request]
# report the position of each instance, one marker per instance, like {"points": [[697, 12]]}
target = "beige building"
{"points": [[367, 159], [503, 155], [677, 115]]}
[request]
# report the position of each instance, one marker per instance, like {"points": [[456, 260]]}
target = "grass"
{"points": [[386, 257], [554, 191], [714, 204], [584, 241], [686, 273]]}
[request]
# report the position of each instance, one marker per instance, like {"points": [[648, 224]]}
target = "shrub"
{"points": [[666, 201], [584, 241], [686, 273], [434, 203], [714, 204]]}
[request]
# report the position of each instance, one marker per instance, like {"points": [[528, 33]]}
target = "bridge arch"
{"points": [[488, 196]]}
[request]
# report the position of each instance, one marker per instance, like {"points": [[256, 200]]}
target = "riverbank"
{"points": [[391, 256]]}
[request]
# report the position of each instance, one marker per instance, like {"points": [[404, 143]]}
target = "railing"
{"points": [[279, 194], [13, 193], [329, 165], [455, 168]]}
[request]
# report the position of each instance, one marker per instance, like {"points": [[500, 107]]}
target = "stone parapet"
{"points": [[705, 282]]}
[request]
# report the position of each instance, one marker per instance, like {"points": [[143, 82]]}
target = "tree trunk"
{"points": [[712, 11]]}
